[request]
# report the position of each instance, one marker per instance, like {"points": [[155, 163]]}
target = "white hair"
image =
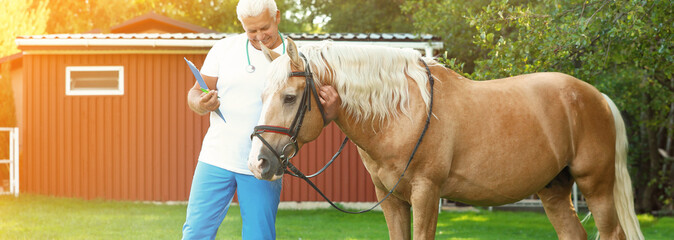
{"points": [[252, 8], [371, 80]]}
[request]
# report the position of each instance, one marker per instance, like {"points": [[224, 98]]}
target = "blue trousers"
{"points": [[211, 194]]}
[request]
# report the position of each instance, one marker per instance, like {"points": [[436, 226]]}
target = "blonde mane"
{"points": [[371, 80]]}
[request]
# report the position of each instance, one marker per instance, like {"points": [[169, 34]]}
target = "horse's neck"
{"points": [[402, 132], [375, 138], [360, 134]]}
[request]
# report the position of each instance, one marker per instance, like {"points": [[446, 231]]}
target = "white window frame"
{"points": [[75, 92], [13, 161]]}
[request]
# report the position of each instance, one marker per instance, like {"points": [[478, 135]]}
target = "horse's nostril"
{"points": [[263, 163]]}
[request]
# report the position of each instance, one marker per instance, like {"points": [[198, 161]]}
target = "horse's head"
{"points": [[291, 114]]}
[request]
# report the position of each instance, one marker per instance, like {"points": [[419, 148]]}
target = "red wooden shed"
{"points": [[105, 116]]}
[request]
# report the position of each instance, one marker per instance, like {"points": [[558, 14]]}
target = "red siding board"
{"points": [[52, 129], [147, 126], [27, 166], [166, 162], [44, 147], [75, 148], [68, 137], [40, 181], [59, 126], [108, 148], [172, 131], [162, 161], [84, 153], [124, 111], [117, 158], [25, 61], [181, 157], [131, 88], [139, 125], [33, 144], [156, 129], [48, 150], [98, 166]]}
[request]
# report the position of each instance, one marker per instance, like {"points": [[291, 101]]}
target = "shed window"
{"points": [[95, 80]]}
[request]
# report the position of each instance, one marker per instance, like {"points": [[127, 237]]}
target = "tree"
{"points": [[18, 18], [367, 16], [624, 48], [447, 19], [217, 15], [76, 16]]}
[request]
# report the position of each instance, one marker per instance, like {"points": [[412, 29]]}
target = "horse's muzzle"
{"points": [[266, 167]]}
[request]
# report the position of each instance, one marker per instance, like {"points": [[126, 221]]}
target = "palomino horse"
{"points": [[489, 142]]}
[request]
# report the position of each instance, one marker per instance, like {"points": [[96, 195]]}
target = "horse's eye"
{"points": [[289, 99]]}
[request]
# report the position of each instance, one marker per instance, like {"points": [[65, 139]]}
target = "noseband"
{"points": [[294, 129]]}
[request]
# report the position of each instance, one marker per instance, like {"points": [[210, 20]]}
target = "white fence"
{"points": [[12, 163]]}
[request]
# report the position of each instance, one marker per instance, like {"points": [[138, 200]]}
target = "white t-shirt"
{"points": [[227, 145]]}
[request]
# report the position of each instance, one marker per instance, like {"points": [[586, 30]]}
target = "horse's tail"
{"points": [[622, 187]]}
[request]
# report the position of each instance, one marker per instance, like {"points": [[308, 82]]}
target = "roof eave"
{"points": [[194, 43]]}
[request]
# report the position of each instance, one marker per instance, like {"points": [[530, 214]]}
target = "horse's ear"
{"points": [[294, 54], [269, 54]]}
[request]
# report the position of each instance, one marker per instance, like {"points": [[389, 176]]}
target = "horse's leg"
{"points": [[397, 214], [424, 198], [556, 198], [597, 187]]}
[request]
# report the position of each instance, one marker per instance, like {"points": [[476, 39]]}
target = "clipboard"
{"points": [[202, 84]]}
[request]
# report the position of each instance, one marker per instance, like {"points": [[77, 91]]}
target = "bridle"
{"points": [[292, 132], [294, 129]]}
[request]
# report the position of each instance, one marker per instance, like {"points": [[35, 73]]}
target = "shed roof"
{"points": [[208, 39], [296, 36]]}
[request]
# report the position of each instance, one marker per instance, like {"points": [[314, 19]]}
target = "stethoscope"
{"points": [[250, 68]]}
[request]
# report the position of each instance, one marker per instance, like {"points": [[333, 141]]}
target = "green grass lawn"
{"points": [[39, 217]]}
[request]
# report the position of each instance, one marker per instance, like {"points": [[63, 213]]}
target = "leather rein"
{"points": [[293, 131]]}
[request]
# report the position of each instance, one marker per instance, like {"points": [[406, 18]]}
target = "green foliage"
{"points": [[368, 16], [76, 16], [624, 48], [20, 18], [71, 16], [218, 15], [447, 19], [452, 63], [7, 117], [582, 38]]}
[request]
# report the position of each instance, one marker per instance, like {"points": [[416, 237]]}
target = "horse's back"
{"points": [[547, 95]]}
